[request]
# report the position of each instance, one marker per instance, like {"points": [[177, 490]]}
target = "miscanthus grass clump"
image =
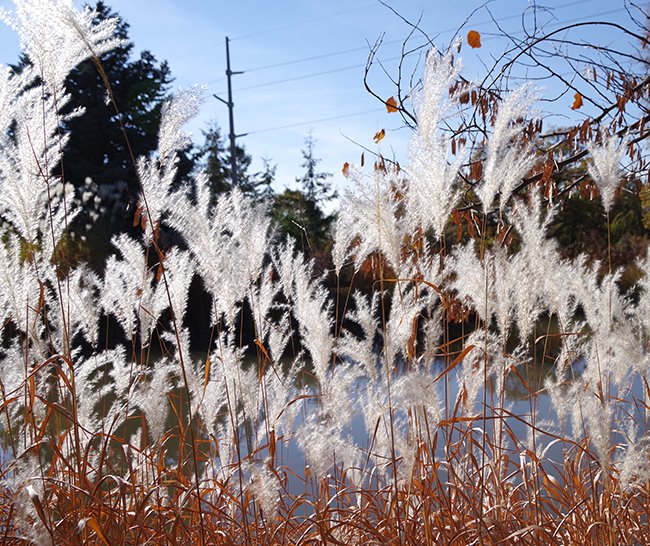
{"points": [[104, 444]]}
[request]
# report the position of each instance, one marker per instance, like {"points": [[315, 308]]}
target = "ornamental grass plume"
{"points": [[605, 167], [433, 185], [508, 159]]}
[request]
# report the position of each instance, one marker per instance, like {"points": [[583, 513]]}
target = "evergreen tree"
{"points": [[114, 129], [299, 217], [103, 141], [299, 213], [265, 178], [214, 158], [314, 185]]}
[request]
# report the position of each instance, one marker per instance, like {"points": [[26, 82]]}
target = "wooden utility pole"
{"points": [[231, 116]]}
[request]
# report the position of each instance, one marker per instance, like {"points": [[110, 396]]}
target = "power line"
{"points": [[302, 23], [306, 76], [390, 42], [278, 28], [361, 8], [295, 78], [342, 116], [357, 66], [321, 120], [362, 48], [313, 58]]}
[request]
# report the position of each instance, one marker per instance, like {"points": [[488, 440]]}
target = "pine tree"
{"points": [[114, 129], [265, 179], [98, 147], [299, 212], [314, 184], [214, 158]]}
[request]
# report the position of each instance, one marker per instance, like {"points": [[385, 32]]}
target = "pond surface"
{"points": [[521, 414]]}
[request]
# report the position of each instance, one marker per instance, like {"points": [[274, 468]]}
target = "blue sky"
{"points": [[303, 63]]}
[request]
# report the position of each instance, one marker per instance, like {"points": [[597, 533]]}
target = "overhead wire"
{"points": [[276, 29], [390, 42], [301, 23], [357, 66], [354, 114], [312, 58], [314, 121], [362, 48], [306, 76], [322, 120]]}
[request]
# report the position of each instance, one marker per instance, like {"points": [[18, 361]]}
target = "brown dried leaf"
{"points": [[577, 102], [379, 135], [137, 215], [94, 525], [476, 170], [391, 105], [549, 167], [474, 39]]}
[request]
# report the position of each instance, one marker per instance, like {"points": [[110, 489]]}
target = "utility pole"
{"points": [[231, 115]]}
